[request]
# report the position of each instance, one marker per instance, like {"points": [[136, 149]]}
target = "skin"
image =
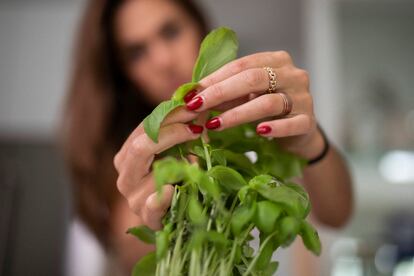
{"points": [[238, 89]]}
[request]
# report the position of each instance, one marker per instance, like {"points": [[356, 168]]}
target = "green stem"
{"points": [[253, 262], [206, 153]]}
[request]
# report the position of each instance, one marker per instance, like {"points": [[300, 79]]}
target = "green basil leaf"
{"points": [[271, 269], [227, 177], [199, 151], [300, 190], [217, 157], [310, 238], [266, 216], [195, 212], [168, 171], [241, 217], [217, 48], [145, 266], [181, 91], [288, 229], [143, 233], [153, 121], [268, 187]]}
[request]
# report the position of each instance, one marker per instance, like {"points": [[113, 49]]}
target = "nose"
{"points": [[162, 56]]}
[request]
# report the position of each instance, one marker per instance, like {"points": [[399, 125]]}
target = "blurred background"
{"points": [[360, 56]]}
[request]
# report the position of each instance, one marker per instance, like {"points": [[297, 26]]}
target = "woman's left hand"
{"points": [[240, 88]]}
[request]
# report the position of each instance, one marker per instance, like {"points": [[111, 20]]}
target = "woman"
{"points": [[133, 54]]}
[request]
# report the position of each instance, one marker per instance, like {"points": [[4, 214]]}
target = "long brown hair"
{"points": [[102, 108]]}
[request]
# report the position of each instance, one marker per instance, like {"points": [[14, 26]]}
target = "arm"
{"points": [[328, 183]]}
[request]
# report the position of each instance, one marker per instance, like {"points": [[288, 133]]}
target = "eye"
{"points": [[170, 31], [135, 53]]}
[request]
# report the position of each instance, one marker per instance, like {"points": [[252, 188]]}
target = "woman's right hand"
{"points": [[133, 163]]}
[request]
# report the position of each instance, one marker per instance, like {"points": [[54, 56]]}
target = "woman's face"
{"points": [[158, 43]]}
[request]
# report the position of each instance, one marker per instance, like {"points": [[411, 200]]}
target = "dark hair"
{"points": [[102, 109]]}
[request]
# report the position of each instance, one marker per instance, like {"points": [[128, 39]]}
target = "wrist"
{"points": [[311, 147]]}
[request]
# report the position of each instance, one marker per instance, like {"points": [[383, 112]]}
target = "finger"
{"points": [[272, 59], [261, 107], [254, 80], [155, 207], [140, 154], [292, 126], [180, 114]]}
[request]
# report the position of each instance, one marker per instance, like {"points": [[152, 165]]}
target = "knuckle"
{"points": [[117, 161], [253, 77], [135, 206], [217, 91], [238, 66], [208, 81], [303, 76], [121, 185], [284, 56], [138, 145], [308, 100], [268, 105]]}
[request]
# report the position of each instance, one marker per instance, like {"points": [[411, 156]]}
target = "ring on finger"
{"points": [[287, 103], [272, 79]]}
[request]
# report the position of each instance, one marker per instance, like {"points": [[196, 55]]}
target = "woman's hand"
{"points": [[240, 88], [133, 162]]}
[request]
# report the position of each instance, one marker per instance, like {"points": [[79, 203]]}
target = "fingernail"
{"points": [[196, 129], [213, 123], [195, 103], [263, 130], [190, 95]]}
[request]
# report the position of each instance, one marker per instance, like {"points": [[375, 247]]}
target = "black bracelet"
{"points": [[324, 151]]}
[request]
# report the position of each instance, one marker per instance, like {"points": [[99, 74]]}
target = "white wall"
{"points": [[35, 43]]}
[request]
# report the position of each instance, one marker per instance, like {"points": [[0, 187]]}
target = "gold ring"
{"points": [[287, 103], [272, 80]]}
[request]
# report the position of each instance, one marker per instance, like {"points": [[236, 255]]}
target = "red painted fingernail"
{"points": [[195, 103], [263, 130], [196, 129], [190, 95], [213, 123]]}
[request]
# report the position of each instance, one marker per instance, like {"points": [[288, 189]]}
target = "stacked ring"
{"points": [[287, 101]]}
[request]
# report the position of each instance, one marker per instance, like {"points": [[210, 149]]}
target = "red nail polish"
{"points": [[213, 123], [195, 103], [190, 95], [263, 130], [196, 129]]}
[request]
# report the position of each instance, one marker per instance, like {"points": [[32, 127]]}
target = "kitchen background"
{"points": [[360, 55]]}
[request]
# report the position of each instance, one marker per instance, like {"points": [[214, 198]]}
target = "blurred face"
{"points": [[158, 43]]}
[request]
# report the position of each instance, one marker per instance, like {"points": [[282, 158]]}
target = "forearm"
{"points": [[328, 183]]}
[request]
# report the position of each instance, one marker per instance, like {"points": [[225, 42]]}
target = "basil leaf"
{"points": [[242, 215], [143, 233], [310, 238], [153, 121], [288, 229], [195, 212], [294, 203], [168, 171], [266, 216], [181, 91], [146, 265], [227, 177], [218, 48]]}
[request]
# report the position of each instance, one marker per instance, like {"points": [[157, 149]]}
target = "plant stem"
{"points": [[206, 153], [253, 262]]}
